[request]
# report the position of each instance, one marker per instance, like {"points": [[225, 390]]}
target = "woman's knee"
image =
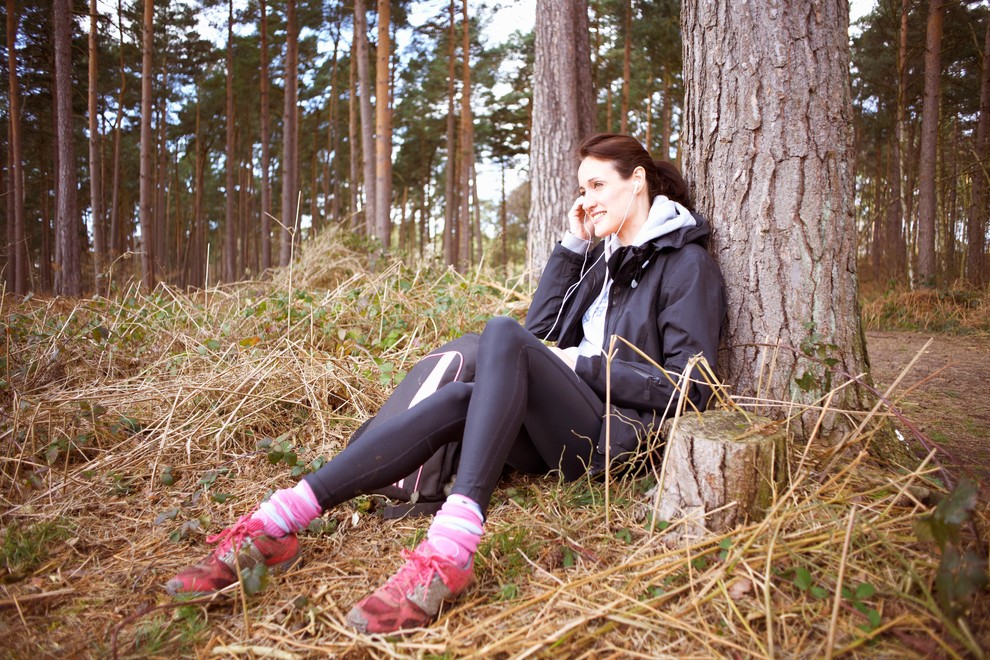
{"points": [[503, 332]]}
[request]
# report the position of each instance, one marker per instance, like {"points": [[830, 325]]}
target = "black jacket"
{"points": [[667, 299]]}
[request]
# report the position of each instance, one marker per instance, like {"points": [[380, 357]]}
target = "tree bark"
{"points": [[563, 114], [927, 202], [95, 167], [367, 118], [146, 196], [450, 232], [976, 227], [626, 65], [290, 136], [68, 277], [383, 127], [722, 470], [230, 160], [466, 160], [116, 233], [17, 252], [352, 141], [266, 149], [768, 155]]}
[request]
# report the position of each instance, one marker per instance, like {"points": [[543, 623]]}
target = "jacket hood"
{"points": [[667, 220]]}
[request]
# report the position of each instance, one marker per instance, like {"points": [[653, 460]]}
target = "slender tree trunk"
{"points": [[230, 160], [503, 221], [927, 203], [290, 137], [17, 252], [450, 231], [266, 149], [68, 279], [95, 168], [383, 127], [146, 202], [979, 210], [626, 65], [330, 183], [367, 116], [352, 141], [116, 232], [563, 113], [666, 118], [775, 174], [467, 149]]}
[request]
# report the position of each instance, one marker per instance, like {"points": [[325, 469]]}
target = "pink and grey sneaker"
{"points": [[412, 597], [243, 545]]}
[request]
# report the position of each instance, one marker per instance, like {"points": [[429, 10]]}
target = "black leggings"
{"points": [[525, 408]]}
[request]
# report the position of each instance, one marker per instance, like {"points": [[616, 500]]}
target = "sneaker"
{"points": [[245, 544], [412, 597]]}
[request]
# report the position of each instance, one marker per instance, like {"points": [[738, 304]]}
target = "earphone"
{"points": [[636, 186]]}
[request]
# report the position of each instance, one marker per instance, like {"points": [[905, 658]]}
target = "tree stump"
{"points": [[721, 471]]}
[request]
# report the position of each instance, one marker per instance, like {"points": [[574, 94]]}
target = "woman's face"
{"points": [[608, 198]]}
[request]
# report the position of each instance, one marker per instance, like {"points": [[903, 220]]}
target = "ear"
{"points": [[638, 175]]}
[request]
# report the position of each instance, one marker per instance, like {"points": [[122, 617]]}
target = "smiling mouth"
{"points": [[595, 217]]}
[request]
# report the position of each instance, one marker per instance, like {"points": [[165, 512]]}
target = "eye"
{"points": [[597, 185]]}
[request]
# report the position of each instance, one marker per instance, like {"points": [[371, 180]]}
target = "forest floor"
{"points": [[944, 394]]}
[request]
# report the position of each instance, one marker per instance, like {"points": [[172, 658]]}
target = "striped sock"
{"points": [[288, 510], [456, 529]]}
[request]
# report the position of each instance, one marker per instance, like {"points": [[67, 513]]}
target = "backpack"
{"points": [[423, 491]]}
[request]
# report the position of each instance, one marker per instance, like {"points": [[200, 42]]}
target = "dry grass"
{"points": [[101, 399], [957, 311]]}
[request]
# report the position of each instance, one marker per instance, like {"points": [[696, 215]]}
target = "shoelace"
{"points": [[235, 534], [421, 562]]}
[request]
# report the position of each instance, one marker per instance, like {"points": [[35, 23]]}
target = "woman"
{"points": [[533, 407]]}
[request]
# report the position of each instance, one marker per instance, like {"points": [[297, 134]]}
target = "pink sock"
{"points": [[288, 510], [456, 529]]}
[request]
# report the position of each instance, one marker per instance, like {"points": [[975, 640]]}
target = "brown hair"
{"points": [[625, 153]]}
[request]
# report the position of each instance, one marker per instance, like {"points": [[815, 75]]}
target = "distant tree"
{"points": [[563, 113], [450, 231], [290, 136], [17, 259], [929, 147], [466, 160], [383, 127], [768, 154], [95, 161], [230, 160], [266, 159], [147, 172], [68, 278], [979, 210], [360, 53]]}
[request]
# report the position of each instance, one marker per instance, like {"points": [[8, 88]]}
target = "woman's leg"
{"points": [[520, 383]]}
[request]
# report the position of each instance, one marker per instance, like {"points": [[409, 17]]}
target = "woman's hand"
{"points": [[576, 219]]}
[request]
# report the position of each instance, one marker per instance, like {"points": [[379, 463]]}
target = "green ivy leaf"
{"points": [[212, 344], [254, 579], [802, 578], [864, 591]]}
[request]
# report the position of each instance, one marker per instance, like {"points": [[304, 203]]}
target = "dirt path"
{"points": [[945, 394]]}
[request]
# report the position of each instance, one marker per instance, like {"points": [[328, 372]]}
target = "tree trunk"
{"points": [[466, 159], [722, 470], [450, 232], [352, 141], [230, 160], [626, 66], [68, 278], [367, 118], [290, 136], [383, 127], [266, 149], [146, 200], [95, 168], [17, 252], [563, 114], [116, 232], [927, 203], [770, 163], [979, 210]]}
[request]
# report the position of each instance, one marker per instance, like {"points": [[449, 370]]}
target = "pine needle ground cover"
{"points": [[134, 426]]}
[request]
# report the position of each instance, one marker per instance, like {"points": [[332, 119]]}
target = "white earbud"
{"points": [[636, 186]]}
